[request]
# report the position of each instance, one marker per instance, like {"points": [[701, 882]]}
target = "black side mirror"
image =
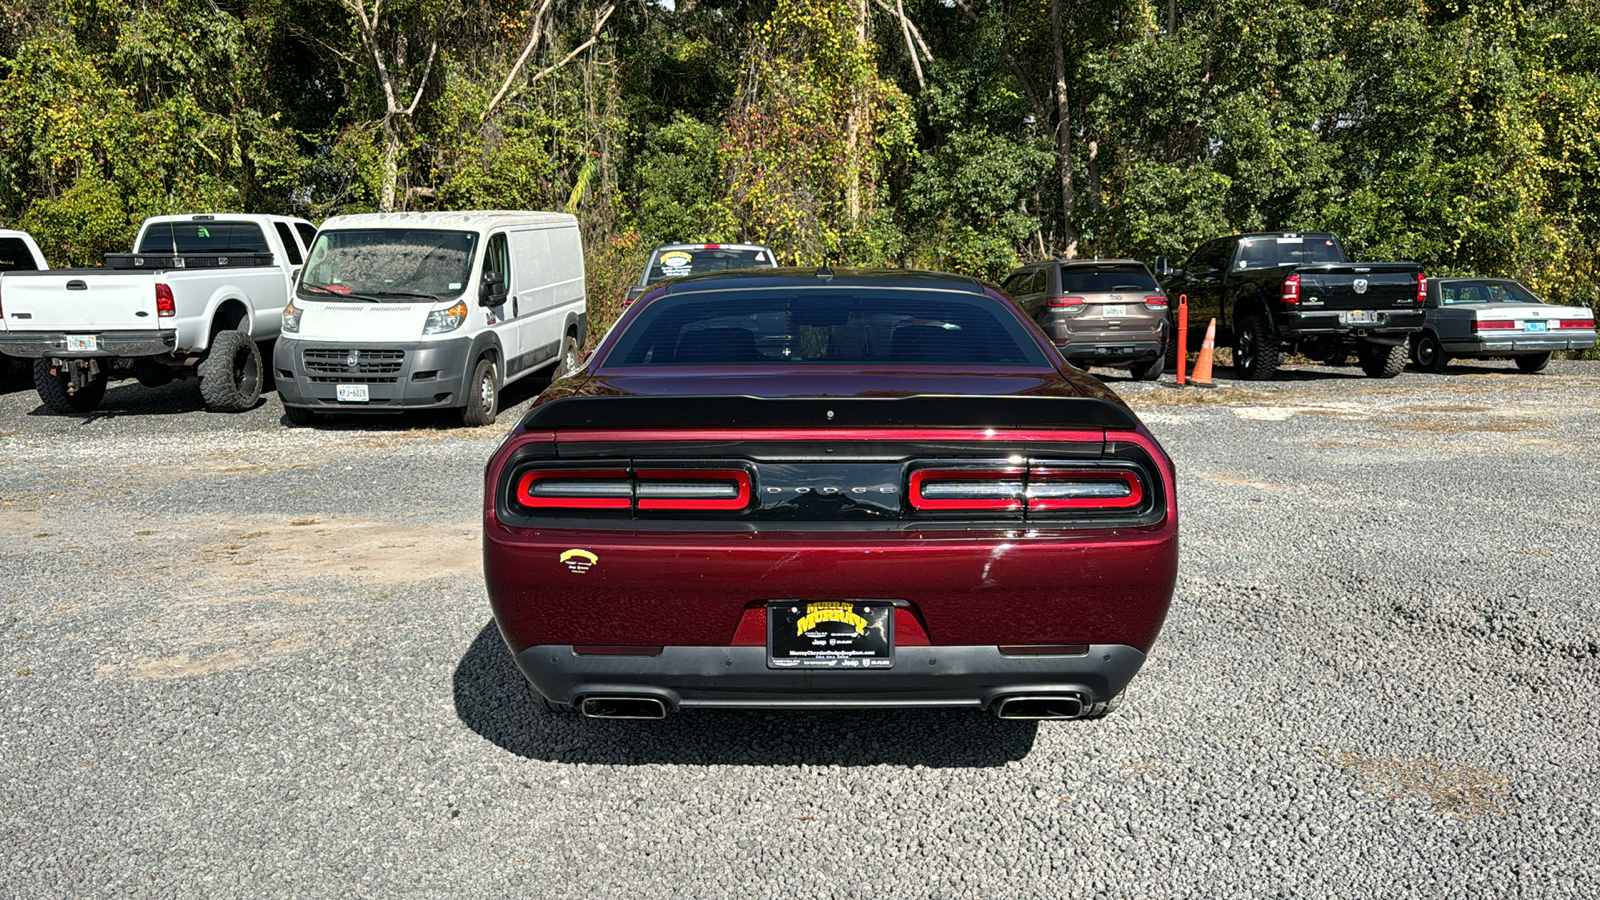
{"points": [[493, 291], [1163, 268]]}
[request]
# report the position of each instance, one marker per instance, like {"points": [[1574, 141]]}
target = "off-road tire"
{"points": [[1429, 354], [483, 395], [1148, 371], [299, 417], [1379, 361], [1532, 362], [53, 391], [1256, 354], [1170, 354], [230, 375]]}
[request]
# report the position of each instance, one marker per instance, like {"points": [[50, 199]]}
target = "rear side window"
{"points": [[15, 256], [678, 263], [289, 246], [826, 326], [204, 237], [307, 233], [1106, 280]]}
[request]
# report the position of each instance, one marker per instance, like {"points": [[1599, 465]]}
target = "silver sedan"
{"points": [[1496, 318]]}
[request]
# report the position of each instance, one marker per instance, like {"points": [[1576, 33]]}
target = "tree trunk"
{"points": [[391, 167], [1069, 234], [855, 125]]}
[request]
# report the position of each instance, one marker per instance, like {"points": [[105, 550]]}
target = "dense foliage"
{"points": [[957, 134]]}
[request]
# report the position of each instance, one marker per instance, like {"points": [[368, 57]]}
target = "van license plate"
{"points": [[352, 393], [1113, 312], [83, 342]]}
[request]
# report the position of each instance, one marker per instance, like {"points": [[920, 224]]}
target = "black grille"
{"points": [[334, 366]]}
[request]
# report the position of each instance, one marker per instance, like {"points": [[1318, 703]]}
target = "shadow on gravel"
{"points": [[493, 700], [512, 397], [130, 398]]}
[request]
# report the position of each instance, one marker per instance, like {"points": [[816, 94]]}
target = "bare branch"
{"points": [[1011, 62], [433, 47], [527, 51], [594, 35]]}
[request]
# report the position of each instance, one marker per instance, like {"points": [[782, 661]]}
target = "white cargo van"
{"points": [[436, 310]]}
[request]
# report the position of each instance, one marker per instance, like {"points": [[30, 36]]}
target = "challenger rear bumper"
{"points": [[44, 344], [738, 677]]}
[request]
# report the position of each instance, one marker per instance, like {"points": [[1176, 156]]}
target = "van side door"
{"points": [[537, 324]]}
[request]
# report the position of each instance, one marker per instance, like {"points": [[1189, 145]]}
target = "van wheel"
{"points": [[298, 417], [483, 395], [567, 361], [53, 390], [230, 375]]}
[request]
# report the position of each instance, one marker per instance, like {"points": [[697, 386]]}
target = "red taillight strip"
{"points": [[659, 435], [1422, 288], [690, 478], [1574, 323], [1065, 302], [1492, 324], [1290, 292], [526, 497], [996, 477], [1131, 500]]}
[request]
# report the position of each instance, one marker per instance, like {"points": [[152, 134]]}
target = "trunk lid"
{"points": [[1359, 286]]}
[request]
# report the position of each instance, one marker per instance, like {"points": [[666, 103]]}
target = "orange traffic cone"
{"points": [[1201, 376]]}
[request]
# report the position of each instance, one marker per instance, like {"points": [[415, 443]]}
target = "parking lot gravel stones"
{"points": [[237, 657]]}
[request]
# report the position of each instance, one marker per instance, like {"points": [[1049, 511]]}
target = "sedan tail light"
{"points": [[705, 489], [619, 488], [1575, 323], [1036, 488], [1492, 324], [1290, 293], [575, 489], [1156, 302]]}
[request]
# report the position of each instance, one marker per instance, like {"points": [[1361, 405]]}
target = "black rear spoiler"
{"points": [[918, 410]]}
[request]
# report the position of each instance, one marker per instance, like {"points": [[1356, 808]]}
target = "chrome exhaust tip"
{"points": [[623, 708], [1052, 706]]}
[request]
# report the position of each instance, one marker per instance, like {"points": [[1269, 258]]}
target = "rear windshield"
{"points": [[1266, 252], [203, 237], [1107, 280], [826, 326], [15, 256], [678, 263], [1487, 292]]}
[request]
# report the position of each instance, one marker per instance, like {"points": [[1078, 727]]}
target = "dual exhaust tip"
{"points": [[1043, 706], [1022, 707]]}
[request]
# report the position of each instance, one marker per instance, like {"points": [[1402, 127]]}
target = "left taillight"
{"points": [[1422, 288], [1157, 302], [1039, 487], [165, 305], [622, 489]]}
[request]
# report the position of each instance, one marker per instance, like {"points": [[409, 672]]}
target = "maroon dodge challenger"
{"points": [[793, 488]]}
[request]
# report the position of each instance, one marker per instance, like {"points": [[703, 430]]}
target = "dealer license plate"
{"points": [[83, 342], [1359, 317], [1113, 312], [1533, 326], [830, 634], [352, 393]]}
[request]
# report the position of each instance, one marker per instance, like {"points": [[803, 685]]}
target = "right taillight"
{"points": [[1157, 302], [165, 305], [1035, 488], [1575, 323], [1071, 304], [1422, 288], [1290, 292]]}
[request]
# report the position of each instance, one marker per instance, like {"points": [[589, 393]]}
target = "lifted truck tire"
{"points": [[1379, 361], [1256, 354], [1532, 362], [53, 390], [230, 375], [483, 395]]}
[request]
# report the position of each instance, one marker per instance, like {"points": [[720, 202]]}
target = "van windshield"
{"points": [[388, 264]]}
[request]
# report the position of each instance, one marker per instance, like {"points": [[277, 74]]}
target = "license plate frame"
{"points": [[847, 635], [79, 343], [352, 393], [1114, 311], [1533, 325], [1359, 317]]}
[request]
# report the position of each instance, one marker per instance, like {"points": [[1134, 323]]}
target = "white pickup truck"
{"points": [[195, 297], [18, 253]]}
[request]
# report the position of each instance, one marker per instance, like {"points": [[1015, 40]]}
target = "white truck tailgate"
{"points": [[102, 300]]}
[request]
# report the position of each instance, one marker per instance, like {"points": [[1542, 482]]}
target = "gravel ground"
{"points": [[239, 658]]}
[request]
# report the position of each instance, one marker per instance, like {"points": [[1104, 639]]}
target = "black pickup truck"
{"points": [[1279, 292]]}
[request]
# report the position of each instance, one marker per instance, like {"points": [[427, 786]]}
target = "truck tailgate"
{"points": [[1359, 286], [88, 300]]}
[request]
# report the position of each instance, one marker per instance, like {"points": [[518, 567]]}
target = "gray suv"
{"points": [[1100, 312]]}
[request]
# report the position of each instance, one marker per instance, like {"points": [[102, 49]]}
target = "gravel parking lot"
{"points": [[237, 657]]}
